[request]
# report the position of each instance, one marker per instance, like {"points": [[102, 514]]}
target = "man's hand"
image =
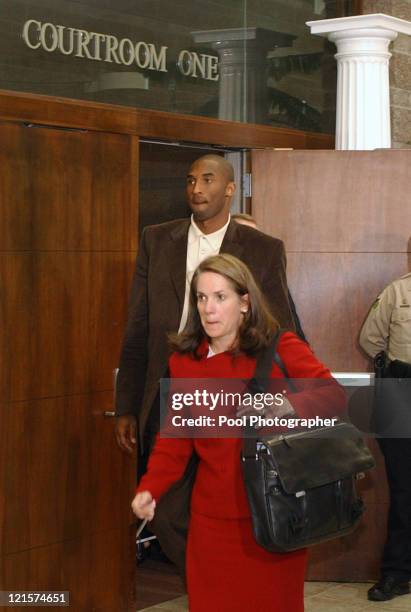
{"points": [[143, 505], [125, 430]]}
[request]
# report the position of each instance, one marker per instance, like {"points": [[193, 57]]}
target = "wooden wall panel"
{"points": [[3, 472], [342, 286], [62, 498], [345, 220], [39, 216], [53, 295], [97, 579], [70, 320], [68, 242], [346, 226], [344, 206]]}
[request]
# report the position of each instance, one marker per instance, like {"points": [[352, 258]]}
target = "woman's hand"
{"points": [[143, 505], [268, 412]]}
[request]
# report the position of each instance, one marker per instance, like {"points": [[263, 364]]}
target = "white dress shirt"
{"points": [[199, 247]]}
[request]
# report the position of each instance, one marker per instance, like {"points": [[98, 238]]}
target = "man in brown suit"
{"points": [[167, 257], [160, 282]]}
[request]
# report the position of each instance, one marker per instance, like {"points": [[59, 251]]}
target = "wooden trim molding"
{"points": [[81, 114]]}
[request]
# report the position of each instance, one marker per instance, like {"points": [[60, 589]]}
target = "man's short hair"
{"points": [[225, 166]]}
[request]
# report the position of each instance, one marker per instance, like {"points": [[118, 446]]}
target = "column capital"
{"points": [[342, 26], [372, 43]]}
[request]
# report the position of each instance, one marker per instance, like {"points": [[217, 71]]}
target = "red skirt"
{"points": [[228, 572]]}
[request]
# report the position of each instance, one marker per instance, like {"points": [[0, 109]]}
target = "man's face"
{"points": [[209, 190]]}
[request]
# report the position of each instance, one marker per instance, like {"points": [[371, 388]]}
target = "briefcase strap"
{"points": [[259, 383], [264, 363]]}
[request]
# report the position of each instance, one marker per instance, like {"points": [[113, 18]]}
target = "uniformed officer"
{"points": [[388, 328]]}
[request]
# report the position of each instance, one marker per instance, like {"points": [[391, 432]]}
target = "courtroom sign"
{"points": [[108, 48]]}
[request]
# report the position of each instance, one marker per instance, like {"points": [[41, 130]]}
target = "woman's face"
{"points": [[221, 309]]}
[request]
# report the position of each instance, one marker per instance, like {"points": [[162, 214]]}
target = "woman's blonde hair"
{"points": [[258, 324]]}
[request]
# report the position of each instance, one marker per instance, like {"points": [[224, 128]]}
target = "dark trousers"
{"points": [[151, 430], [396, 559]]}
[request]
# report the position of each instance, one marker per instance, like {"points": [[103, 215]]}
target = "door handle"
{"points": [[112, 413]]}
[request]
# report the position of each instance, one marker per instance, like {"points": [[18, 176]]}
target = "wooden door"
{"points": [[68, 232], [345, 218]]}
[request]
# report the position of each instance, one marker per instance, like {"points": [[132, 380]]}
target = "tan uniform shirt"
{"points": [[388, 324]]}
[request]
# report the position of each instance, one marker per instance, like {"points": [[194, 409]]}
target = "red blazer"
{"points": [[219, 490]]}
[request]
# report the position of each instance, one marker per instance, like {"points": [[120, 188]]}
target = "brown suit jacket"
{"points": [[157, 299]]}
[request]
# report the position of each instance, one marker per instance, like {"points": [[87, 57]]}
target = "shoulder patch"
{"points": [[376, 303]]}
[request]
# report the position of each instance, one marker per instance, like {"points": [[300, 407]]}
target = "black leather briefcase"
{"points": [[301, 486]]}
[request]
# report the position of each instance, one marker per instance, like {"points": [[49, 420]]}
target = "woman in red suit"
{"points": [[228, 324]]}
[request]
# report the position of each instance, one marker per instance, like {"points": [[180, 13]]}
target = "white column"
{"points": [[363, 92]]}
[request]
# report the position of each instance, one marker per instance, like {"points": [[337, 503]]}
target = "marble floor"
{"points": [[319, 597]]}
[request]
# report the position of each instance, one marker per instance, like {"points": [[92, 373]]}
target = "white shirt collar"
{"points": [[214, 238]]}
